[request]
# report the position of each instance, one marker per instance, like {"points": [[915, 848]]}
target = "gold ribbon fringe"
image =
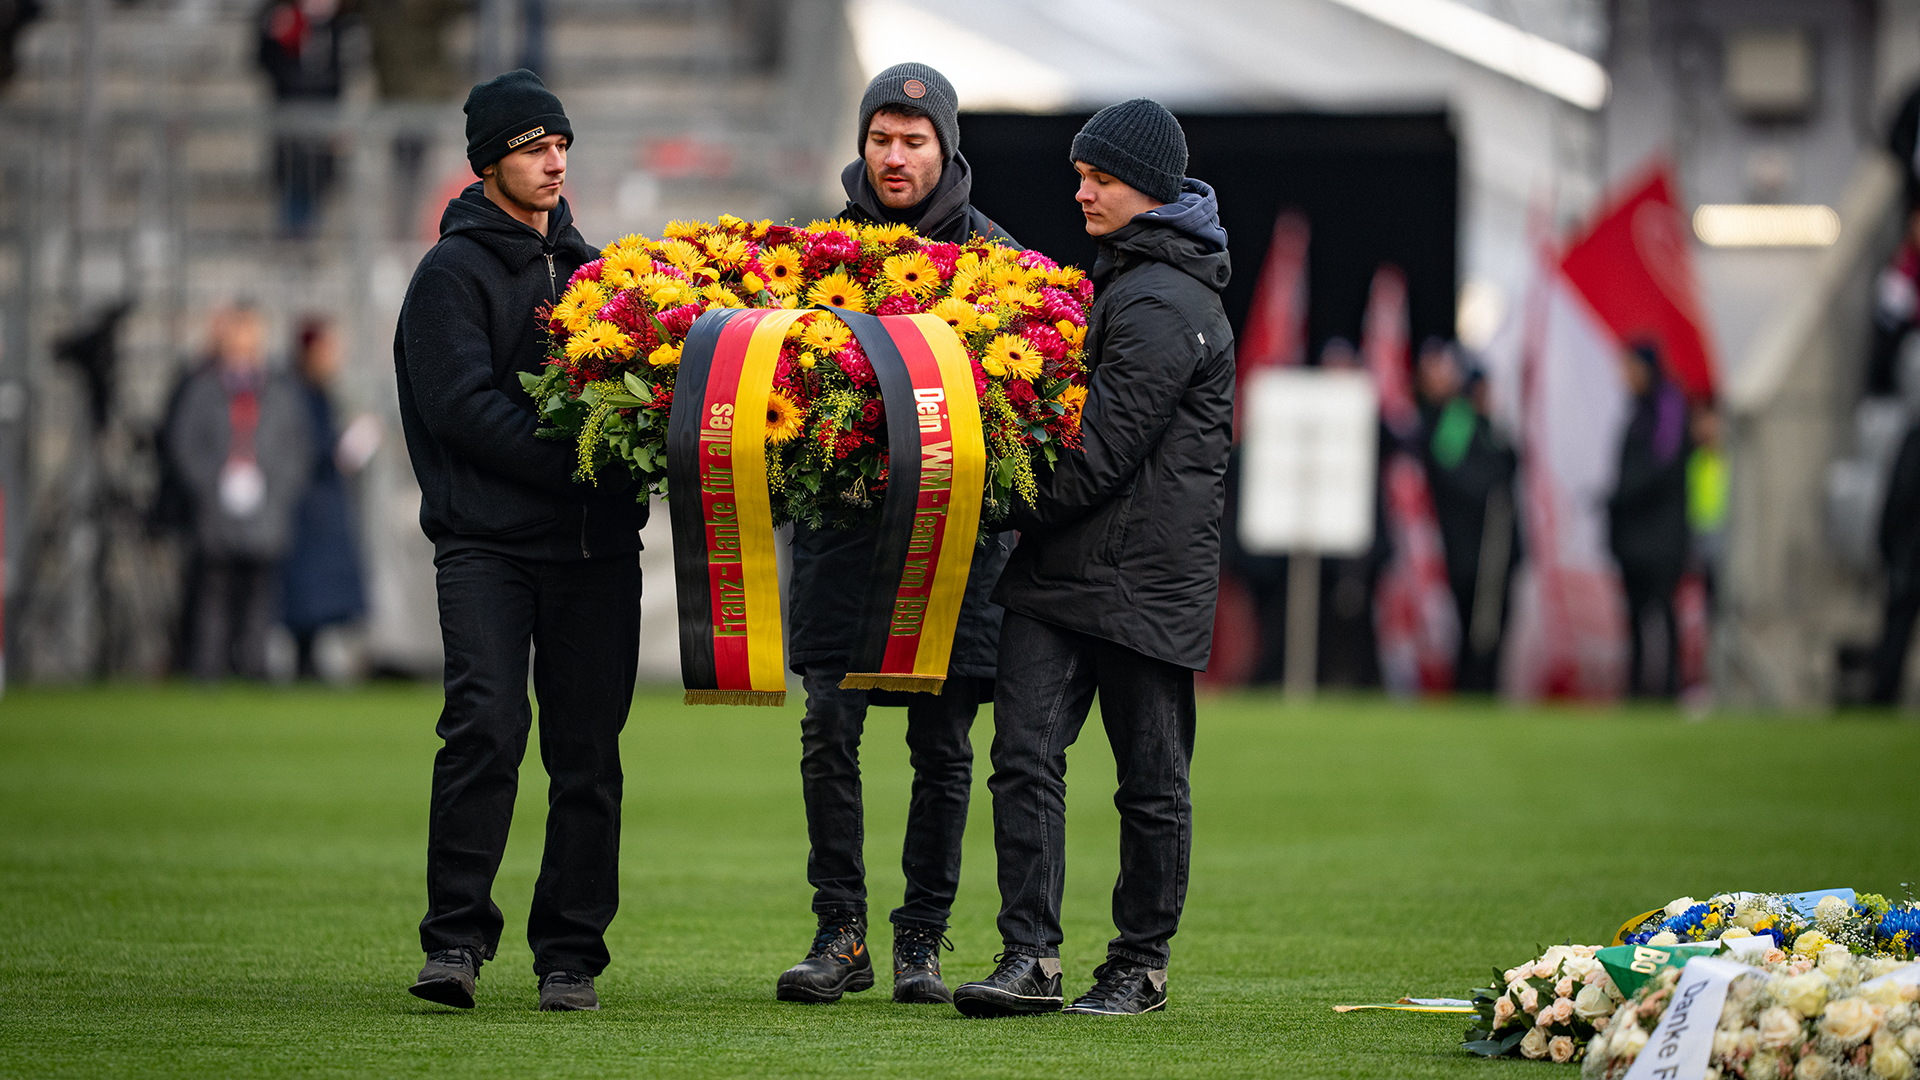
{"points": [[774, 698]]}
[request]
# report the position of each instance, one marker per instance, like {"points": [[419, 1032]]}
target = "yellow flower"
{"points": [[1074, 397], [826, 334], [726, 250], [1017, 297], [1002, 276], [625, 267], [1073, 335], [664, 356], [784, 418], [597, 340], [957, 313], [632, 242], [1064, 277], [682, 254], [728, 221], [680, 230], [719, 296], [790, 302], [819, 225], [990, 321], [885, 235], [760, 227], [839, 290], [963, 284], [571, 315], [968, 262], [752, 283], [912, 273], [587, 294], [783, 269], [1009, 355], [806, 360]]}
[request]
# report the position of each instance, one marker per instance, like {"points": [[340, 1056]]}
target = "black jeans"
{"points": [[232, 616], [583, 620], [942, 757], [1650, 596], [1047, 679]]}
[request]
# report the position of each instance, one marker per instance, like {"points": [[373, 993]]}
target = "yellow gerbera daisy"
{"points": [[680, 230], [1073, 335], [839, 290], [664, 356], [784, 271], [912, 273], [1009, 355], [597, 340], [726, 250], [784, 419], [885, 235], [826, 334], [963, 284], [819, 225], [587, 294], [572, 316], [957, 313], [1006, 276], [729, 221], [1017, 297], [719, 296], [629, 242], [682, 254], [1064, 277], [1074, 397], [632, 262]]}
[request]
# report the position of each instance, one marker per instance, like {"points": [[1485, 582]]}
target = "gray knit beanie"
{"points": [[1139, 143], [920, 87], [507, 111]]}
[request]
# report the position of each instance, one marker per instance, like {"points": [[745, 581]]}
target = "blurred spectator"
{"points": [[299, 48], [1647, 521], [1707, 494], [1470, 470], [409, 39], [1349, 650], [321, 583], [1896, 297], [1899, 535], [241, 442], [14, 17]]}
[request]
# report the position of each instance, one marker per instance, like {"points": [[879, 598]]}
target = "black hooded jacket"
{"points": [[830, 566], [466, 332], [1124, 540]]}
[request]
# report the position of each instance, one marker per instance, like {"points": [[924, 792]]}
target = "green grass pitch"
{"points": [[226, 883]]}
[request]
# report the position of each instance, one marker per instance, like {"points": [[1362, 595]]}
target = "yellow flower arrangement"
{"points": [[839, 290], [912, 273], [783, 270], [1009, 356], [785, 419]]}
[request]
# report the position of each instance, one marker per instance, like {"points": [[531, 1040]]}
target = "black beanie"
{"points": [[508, 110], [1139, 143], [921, 87]]}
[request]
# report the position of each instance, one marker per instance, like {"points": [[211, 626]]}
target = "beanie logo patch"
{"points": [[914, 88], [526, 136]]}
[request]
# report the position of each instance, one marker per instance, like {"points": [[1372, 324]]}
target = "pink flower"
{"points": [[979, 379], [943, 256], [1502, 1012], [1562, 1010], [1031, 258], [1046, 339], [827, 249], [1560, 1049], [1084, 290], [589, 272], [679, 320], [1056, 305], [1564, 988], [899, 304], [1530, 999], [854, 363]]}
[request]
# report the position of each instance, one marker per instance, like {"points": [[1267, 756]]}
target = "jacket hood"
{"points": [[1186, 235], [513, 242], [940, 216]]}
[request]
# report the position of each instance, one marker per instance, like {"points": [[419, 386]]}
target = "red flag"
{"points": [[1633, 267], [1276, 330], [1385, 351]]}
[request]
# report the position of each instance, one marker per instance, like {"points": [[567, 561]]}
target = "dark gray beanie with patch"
{"points": [[508, 111], [916, 86], [1139, 143]]}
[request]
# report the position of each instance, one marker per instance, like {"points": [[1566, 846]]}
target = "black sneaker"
{"points": [[1020, 986], [448, 977], [836, 964], [1123, 988], [568, 991], [916, 966]]}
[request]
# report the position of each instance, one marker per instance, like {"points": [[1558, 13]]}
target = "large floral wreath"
{"points": [[616, 333]]}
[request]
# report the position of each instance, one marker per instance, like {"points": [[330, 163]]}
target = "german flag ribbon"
{"points": [[731, 647], [930, 514]]}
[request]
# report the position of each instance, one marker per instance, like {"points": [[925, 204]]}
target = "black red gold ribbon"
{"points": [[721, 511]]}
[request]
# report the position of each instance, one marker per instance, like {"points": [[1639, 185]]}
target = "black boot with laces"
{"points": [[916, 966], [1123, 988], [836, 964], [448, 977], [1021, 986]]}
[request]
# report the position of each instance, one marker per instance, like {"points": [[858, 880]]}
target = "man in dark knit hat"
{"points": [[1111, 590], [524, 555], [911, 172]]}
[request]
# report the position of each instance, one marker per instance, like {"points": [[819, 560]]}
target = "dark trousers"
{"points": [[583, 620], [232, 615], [1650, 600], [1047, 679], [1896, 635], [942, 757]]}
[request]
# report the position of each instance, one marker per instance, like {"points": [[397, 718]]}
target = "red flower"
{"points": [[854, 363], [872, 415], [979, 378], [827, 249], [1031, 258], [1084, 291], [679, 320], [1021, 396], [781, 234], [1056, 305], [589, 272], [1046, 339], [900, 304], [943, 256]]}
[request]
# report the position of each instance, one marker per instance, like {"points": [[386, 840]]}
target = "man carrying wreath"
{"points": [[1111, 589], [524, 555], [910, 172]]}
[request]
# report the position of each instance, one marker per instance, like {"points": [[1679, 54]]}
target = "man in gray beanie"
{"points": [[524, 556], [1111, 590], [910, 171]]}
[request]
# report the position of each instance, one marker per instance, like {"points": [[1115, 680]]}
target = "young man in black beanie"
{"points": [[910, 171], [524, 555], [1111, 589]]}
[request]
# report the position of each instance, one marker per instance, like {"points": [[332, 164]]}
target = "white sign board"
{"points": [[1307, 464]]}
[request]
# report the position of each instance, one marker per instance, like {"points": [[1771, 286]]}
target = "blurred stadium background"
{"points": [[149, 169]]}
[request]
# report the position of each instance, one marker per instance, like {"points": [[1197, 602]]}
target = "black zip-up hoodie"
{"points": [[466, 332], [1124, 541]]}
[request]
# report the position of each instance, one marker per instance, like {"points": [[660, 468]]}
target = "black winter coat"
{"points": [[830, 566], [466, 332], [1647, 513], [1900, 517], [1124, 540]]}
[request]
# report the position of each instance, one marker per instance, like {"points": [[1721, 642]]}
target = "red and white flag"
{"points": [[1627, 278], [1415, 622]]}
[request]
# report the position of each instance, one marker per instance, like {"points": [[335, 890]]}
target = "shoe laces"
{"points": [[567, 978], [918, 946], [1111, 978], [460, 955], [831, 930]]}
